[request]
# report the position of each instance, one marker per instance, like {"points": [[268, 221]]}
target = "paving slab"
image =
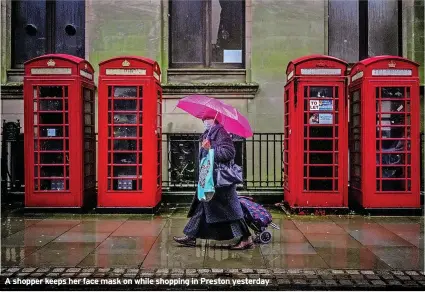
{"points": [[308, 251]]}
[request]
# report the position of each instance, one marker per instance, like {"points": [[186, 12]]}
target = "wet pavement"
{"points": [[142, 241]]}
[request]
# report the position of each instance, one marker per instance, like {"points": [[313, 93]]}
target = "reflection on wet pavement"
{"points": [[337, 242]]}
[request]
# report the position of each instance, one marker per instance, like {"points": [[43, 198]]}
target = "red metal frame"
{"points": [[384, 93], [58, 171], [130, 113], [316, 121]]}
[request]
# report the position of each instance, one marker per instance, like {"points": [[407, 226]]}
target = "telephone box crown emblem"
{"points": [[51, 63], [125, 63], [391, 64], [321, 64], [85, 66]]}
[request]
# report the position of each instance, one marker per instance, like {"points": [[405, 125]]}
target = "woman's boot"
{"points": [[185, 240], [246, 243]]}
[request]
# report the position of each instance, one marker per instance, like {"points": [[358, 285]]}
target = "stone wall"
{"points": [[277, 32]]}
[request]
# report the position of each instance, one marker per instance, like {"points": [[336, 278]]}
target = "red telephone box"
{"points": [[130, 111], [315, 128], [384, 131], [60, 150]]}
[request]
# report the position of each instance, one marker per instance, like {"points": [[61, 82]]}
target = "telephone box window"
{"points": [[52, 132], [391, 136]]}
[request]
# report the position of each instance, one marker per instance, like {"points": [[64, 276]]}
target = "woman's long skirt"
{"points": [[197, 227]]}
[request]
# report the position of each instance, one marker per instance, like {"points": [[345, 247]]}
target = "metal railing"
{"points": [[259, 156]]}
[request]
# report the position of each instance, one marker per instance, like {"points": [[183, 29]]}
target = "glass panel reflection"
{"points": [[125, 132], [392, 92], [51, 118], [51, 158], [393, 185], [321, 92], [125, 105], [53, 145], [320, 185], [325, 132], [125, 171], [321, 145], [129, 145], [125, 158], [321, 171], [51, 91], [125, 91], [52, 185], [321, 158], [124, 119], [51, 171], [51, 105]]}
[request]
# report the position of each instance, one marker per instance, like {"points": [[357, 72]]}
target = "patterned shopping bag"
{"points": [[206, 188]]}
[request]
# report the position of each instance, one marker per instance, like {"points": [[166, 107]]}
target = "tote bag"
{"points": [[206, 188]]}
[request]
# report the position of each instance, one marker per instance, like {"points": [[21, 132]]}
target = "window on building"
{"points": [[207, 33], [41, 27], [364, 28]]}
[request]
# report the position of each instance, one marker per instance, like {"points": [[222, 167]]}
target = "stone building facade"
{"points": [[184, 36]]}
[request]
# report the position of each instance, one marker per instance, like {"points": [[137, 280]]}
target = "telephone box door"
{"points": [[124, 125], [129, 133], [395, 146], [59, 132], [324, 159], [385, 127]]}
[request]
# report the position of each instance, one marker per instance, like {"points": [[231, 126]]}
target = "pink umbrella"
{"points": [[202, 107]]}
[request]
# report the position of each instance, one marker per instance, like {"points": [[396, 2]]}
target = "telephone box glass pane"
{"points": [[124, 184], [126, 112], [125, 91], [125, 132], [392, 92], [125, 158], [125, 105], [391, 120], [127, 145], [50, 133], [320, 185], [51, 91], [124, 171], [51, 158], [124, 119], [320, 116], [51, 105], [321, 92], [51, 171]]}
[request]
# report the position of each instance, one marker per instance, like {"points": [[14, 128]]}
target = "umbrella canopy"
{"points": [[204, 107]]}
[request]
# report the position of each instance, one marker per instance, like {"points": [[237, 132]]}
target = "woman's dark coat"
{"points": [[225, 205]]}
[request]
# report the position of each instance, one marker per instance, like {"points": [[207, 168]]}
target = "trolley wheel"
{"points": [[265, 237]]}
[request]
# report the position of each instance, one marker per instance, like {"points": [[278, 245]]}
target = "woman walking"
{"points": [[221, 218]]}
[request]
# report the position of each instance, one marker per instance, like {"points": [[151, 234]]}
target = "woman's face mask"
{"points": [[208, 124]]}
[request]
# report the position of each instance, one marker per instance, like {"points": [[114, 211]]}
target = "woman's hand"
{"points": [[206, 144]]}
